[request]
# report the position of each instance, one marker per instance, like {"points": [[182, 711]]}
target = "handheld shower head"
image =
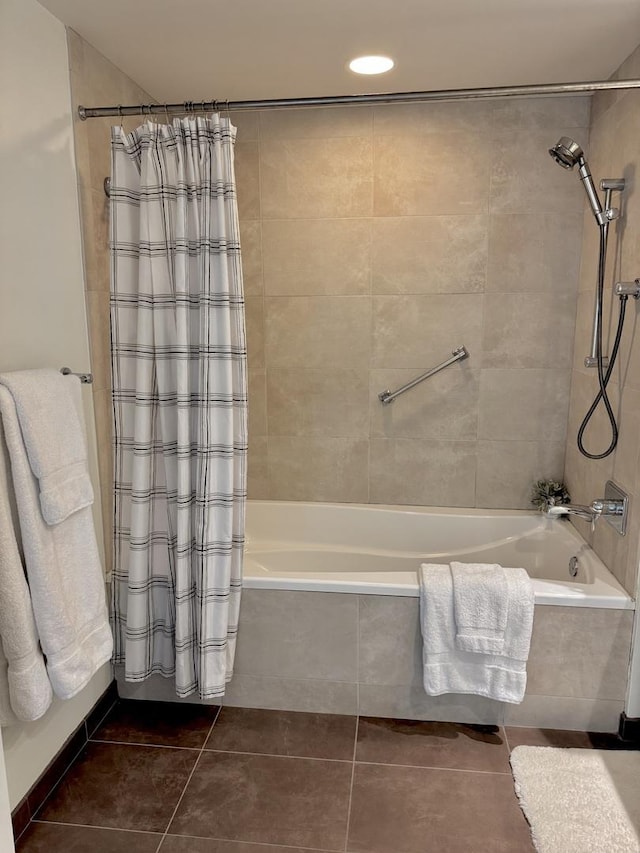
{"points": [[567, 153]]}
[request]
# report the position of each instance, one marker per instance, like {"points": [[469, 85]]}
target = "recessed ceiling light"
{"points": [[371, 64]]}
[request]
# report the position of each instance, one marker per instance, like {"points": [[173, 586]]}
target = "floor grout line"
{"points": [[99, 826], [102, 719], [434, 767], [259, 844], [353, 773], [506, 740], [280, 755], [151, 745], [193, 770]]}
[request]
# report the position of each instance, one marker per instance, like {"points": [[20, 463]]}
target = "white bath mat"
{"points": [[579, 800]]}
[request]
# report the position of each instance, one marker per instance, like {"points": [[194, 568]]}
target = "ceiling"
{"points": [[246, 49]]}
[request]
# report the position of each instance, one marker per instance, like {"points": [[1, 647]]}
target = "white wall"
{"points": [[42, 297]]}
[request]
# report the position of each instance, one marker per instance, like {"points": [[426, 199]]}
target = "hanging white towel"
{"points": [[481, 606], [48, 404], [25, 689], [65, 577], [449, 670]]}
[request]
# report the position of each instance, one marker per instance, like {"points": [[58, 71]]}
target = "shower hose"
{"points": [[603, 378]]}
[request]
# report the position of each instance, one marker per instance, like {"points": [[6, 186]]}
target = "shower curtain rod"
{"points": [[356, 100]]}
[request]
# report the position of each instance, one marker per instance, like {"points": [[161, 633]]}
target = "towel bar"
{"points": [[85, 378], [387, 396]]}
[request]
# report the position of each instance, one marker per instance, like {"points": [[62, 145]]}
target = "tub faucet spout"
{"points": [[591, 513]]}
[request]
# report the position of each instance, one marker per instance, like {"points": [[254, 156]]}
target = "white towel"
{"points": [[48, 406], [449, 670], [63, 568], [25, 689], [480, 606]]}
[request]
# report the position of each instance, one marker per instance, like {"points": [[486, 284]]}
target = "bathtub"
{"points": [[350, 548]]}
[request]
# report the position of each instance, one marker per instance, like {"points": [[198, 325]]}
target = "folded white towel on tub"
{"points": [[25, 689], [480, 606], [66, 580], [446, 668], [48, 405]]}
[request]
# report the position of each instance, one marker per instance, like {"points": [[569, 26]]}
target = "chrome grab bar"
{"points": [[387, 396]]}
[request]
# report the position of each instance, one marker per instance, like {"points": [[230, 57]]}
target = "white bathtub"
{"points": [[377, 550]]}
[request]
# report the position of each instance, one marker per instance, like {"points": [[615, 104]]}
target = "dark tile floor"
{"points": [[165, 778]]}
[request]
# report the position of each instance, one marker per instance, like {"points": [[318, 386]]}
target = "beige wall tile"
{"points": [[257, 468], [444, 406], [390, 640], [255, 330], [257, 388], [320, 123], [422, 331], [528, 329], [308, 635], [422, 472], [525, 179], [529, 252], [429, 254], [438, 118], [305, 468], [316, 178], [508, 469], [580, 652], [410, 702], [318, 331], [423, 175], [524, 404], [96, 245], [100, 339], [330, 402], [559, 712], [247, 168], [292, 694], [247, 124], [251, 243], [317, 257], [543, 114]]}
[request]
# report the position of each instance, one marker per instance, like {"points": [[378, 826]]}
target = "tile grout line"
{"points": [[353, 773], [186, 785], [97, 826], [102, 719], [506, 740]]}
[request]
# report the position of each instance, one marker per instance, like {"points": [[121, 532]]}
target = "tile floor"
{"points": [[166, 778]]}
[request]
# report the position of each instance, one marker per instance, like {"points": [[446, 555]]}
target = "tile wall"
{"points": [[375, 241], [613, 151]]}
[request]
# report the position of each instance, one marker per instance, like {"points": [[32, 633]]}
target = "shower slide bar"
{"points": [[387, 396], [85, 378]]}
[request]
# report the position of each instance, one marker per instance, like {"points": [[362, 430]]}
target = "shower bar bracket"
{"points": [[387, 397], [85, 378]]}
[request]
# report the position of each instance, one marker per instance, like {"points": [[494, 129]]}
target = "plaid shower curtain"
{"points": [[179, 402]]}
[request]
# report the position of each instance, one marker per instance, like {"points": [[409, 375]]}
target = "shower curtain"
{"points": [[179, 403]]}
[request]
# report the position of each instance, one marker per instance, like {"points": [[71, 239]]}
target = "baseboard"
{"points": [[629, 729], [27, 808]]}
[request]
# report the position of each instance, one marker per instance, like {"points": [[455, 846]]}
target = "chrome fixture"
{"points": [[85, 378], [356, 100], [567, 153], [628, 288], [387, 396], [613, 507]]}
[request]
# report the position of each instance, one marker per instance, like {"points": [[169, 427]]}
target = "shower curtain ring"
{"points": [[120, 114]]}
